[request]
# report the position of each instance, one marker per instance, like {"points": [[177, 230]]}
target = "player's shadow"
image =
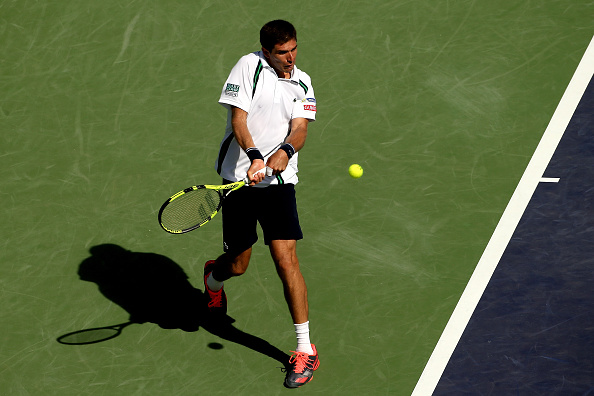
{"points": [[153, 288]]}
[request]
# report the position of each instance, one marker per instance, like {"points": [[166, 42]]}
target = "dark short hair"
{"points": [[276, 32]]}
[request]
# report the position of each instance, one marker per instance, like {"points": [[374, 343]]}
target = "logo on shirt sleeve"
{"points": [[231, 90], [310, 107]]}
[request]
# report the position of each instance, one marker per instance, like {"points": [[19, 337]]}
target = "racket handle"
{"points": [[266, 170]]}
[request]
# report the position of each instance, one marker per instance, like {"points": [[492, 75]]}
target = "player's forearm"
{"points": [[298, 134], [240, 129]]}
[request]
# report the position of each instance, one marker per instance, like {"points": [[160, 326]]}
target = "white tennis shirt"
{"points": [[271, 103]]}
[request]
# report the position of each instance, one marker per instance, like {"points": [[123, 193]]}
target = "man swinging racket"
{"points": [[270, 103]]}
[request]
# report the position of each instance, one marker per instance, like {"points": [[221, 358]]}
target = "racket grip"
{"points": [[267, 171]]}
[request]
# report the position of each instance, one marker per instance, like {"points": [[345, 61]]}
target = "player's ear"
{"points": [[266, 53]]}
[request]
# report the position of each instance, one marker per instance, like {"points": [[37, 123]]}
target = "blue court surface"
{"points": [[532, 330], [532, 333]]}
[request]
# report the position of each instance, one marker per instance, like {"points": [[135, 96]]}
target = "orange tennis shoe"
{"points": [[217, 301], [302, 368]]}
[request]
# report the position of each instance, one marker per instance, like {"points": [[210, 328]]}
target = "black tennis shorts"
{"points": [[274, 207]]}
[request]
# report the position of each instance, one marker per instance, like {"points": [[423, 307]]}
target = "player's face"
{"points": [[282, 57]]}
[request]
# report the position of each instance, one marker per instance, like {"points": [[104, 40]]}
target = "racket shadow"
{"points": [[92, 336], [154, 289]]}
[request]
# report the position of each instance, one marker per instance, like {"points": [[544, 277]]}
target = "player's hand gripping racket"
{"points": [[195, 206]]}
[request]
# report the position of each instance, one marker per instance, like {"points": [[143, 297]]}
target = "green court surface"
{"points": [[107, 108]]}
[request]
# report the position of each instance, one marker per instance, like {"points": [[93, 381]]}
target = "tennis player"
{"points": [[270, 103]]}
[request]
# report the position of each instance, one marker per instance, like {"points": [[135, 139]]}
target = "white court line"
{"points": [[506, 226], [549, 180]]}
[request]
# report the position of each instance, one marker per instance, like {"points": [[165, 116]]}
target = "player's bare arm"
{"points": [[245, 141], [278, 161]]}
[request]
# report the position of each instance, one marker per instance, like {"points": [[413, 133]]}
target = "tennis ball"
{"points": [[355, 171]]}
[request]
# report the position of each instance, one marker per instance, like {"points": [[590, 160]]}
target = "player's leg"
{"points": [[229, 265], [239, 234], [216, 272], [284, 254], [280, 224], [305, 358]]}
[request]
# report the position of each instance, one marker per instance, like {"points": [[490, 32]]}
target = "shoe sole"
{"points": [[299, 385]]}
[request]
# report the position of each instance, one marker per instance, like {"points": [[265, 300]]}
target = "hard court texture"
{"points": [[108, 108]]}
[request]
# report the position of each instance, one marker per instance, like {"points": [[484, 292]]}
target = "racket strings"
{"points": [[190, 209]]}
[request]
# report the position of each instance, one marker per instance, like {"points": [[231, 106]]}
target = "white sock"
{"points": [[213, 284], [303, 343]]}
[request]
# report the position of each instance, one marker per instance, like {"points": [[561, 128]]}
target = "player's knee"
{"points": [[287, 266]]}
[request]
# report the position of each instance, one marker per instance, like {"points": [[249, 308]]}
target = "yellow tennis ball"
{"points": [[355, 171]]}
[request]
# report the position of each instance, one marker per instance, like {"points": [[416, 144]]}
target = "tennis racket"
{"points": [[195, 206]]}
